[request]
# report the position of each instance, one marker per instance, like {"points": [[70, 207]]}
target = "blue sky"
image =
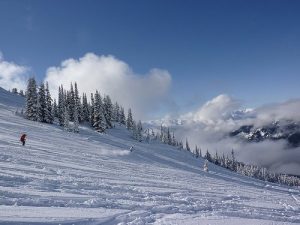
{"points": [[247, 49]]}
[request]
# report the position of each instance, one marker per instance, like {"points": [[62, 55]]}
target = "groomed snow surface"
{"points": [[92, 178]]}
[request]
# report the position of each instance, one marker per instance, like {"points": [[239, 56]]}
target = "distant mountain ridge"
{"points": [[279, 130]]}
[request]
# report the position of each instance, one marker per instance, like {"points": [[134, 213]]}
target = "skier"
{"points": [[23, 139], [131, 149]]}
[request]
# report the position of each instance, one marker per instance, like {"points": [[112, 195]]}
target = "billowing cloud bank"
{"points": [[209, 126], [144, 93], [12, 75]]}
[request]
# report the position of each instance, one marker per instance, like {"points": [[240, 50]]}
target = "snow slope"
{"points": [[91, 178]]}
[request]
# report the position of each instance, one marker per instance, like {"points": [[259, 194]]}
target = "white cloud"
{"points": [[285, 110], [12, 75], [215, 114], [144, 93], [215, 110]]}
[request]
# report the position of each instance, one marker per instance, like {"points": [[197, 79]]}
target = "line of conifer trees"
{"points": [[254, 171], [228, 162], [71, 110]]}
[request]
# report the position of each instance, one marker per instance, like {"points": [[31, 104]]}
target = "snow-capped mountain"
{"points": [[287, 130], [86, 178]]}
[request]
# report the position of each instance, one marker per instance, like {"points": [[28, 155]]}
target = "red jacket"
{"points": [[23, 137]]}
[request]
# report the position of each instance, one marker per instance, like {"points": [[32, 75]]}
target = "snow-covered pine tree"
{"points": [[108, 110], [42, 106], [216, 159], [122, 119], [99, 118], [233, 161], [134, 130], [66, 120], [49, 116], [148, 137], [91, 110], [196, 152], [161, 135], [21, 93], [31, 100], [227, 162], [97, 110], [76, 121], [129, 122], [187, 146], [85, 108], [54, 109], [173, 140], [169, 137], [81, 113], [71, 102], [77, 104], [139, 131], [61, 105], [222, 160], [116, 110], [208, 156], [14, 90]]}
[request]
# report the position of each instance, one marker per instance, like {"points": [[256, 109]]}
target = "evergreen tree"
{"points": [[61, 105], [161, 136], [21, 93], [134, 131], [116, 114], [49, 115], [72, 103], [108, 110], [99, 118], [31, 100], [85, 108], [196, 152], [54, 110], [208, 156], [169, 138], [187, 147], [14, 90], [173, 140], [222, 160], [92, 112], [148, 136], [139, 131], [227, 162], [129, 122], [122, 119], [66, 120], [216, 159], [77, 104], [76, 121], [42, 105], [233, 162]]}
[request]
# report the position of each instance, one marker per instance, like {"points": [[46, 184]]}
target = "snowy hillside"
{"points": [[92, 178]]}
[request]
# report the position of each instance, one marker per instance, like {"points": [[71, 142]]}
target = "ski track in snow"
{"points": [[91, 178]]}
